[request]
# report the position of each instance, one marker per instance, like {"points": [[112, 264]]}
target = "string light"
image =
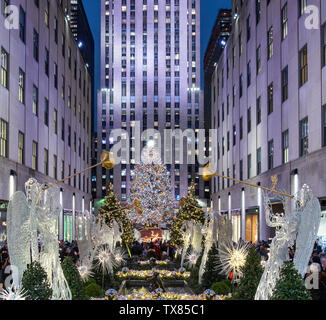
{"points": [[151, 187]]}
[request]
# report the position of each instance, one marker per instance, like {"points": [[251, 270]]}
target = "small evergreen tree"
{"points": [[252, 273], [93, 290], [189, 211], [112, 210], [35, 283], [290, 285], [211, 275], [74, 280], [194, 276]]}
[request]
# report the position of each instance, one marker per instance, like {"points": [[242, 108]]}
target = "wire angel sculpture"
{"points": [[298, 226], [224, 227], [192, 238], [99, 244], [210, 235], [32, 221], [187, 235]]}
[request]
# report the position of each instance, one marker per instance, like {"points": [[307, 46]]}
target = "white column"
{"points": [[295, 186], [12, 184], [74, 217], [230, 206], [262, 217], [243, 215], [83, 205], [90, 207], [61, 218]]}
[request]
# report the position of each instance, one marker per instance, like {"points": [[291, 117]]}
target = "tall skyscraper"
{"points": [[220, 34], [150, 74], [82, 32]]}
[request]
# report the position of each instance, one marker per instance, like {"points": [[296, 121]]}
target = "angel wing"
{"points": [[307, 234], [197, 238], [18, 238]]}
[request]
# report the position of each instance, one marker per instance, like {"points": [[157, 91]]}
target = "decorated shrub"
{"points": [[211, 275], [252, 273], [74, 280], [35, 283], [93, 290], [222, 287], [290, 285]]}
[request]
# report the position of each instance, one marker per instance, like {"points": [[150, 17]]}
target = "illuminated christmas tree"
{"points": [[151, 188]]}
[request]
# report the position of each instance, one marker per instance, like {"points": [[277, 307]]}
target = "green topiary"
{"points": [[252, 273], [211, 275], [194, 276], [93, 290], [74, 280], [290, 285], [222, 287], [35, 283]]}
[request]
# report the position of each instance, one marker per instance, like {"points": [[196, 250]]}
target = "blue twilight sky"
{"points": [[209, 10]]}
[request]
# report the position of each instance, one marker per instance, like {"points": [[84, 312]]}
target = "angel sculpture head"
{"points": [[32, 187]]}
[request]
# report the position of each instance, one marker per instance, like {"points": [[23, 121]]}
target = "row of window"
{"points": [[4, 138], [4, 143], [303, 146]]}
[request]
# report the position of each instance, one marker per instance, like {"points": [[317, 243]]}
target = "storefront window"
{"points": [[252, 221]]}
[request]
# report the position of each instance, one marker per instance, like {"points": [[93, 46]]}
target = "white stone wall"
{"points": [[20, 116], [306, 101]]}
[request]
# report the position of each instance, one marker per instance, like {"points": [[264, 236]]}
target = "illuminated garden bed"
{"points": [[145, 274]]}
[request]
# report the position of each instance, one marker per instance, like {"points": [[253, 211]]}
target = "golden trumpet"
{"points": [[208, 174], [107, 160]]}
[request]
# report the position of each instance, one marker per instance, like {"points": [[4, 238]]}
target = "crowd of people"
{"points": [[160, 250], [65, 249], [317, 265], [69, 249], [4, 266], [155, 249]]}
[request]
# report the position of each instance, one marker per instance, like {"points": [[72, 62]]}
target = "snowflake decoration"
{"points": [[104, 260], [191, 259], [119, 256], [232, 258], [85, 272], [10, 294]]}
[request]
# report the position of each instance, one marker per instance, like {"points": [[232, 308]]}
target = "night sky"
{"points": [[209, 10]]}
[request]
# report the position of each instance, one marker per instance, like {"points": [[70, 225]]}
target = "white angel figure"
{"points": [[210, 239], [22, 235], [85, 245], [187, 238], [310, 219], [224, 227], [32, 218], [301, 225], [48, 213]]}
